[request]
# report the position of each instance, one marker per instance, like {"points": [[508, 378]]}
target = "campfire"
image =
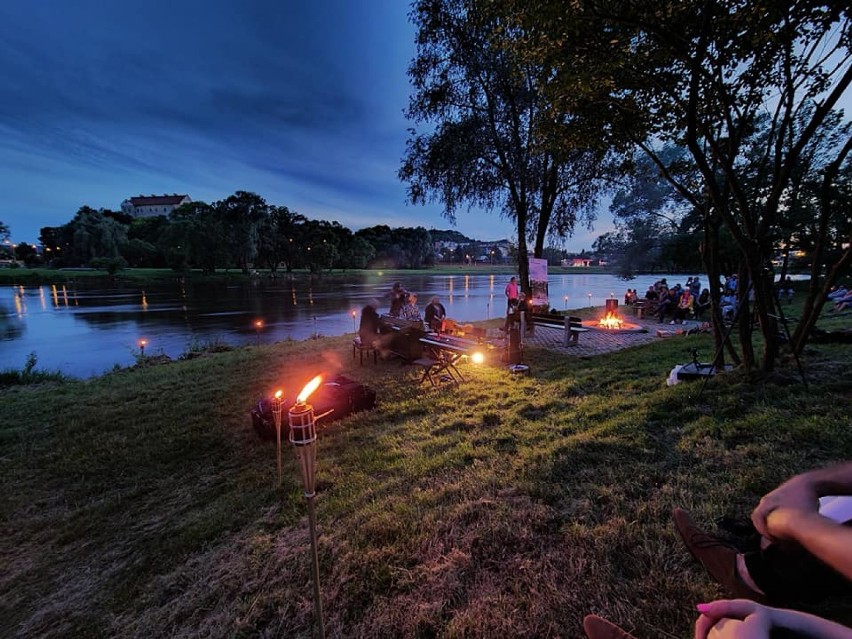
{"points": [[611, 321]]}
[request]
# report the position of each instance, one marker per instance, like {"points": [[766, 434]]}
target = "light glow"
{"points": [[477, 358], [309, 388]]}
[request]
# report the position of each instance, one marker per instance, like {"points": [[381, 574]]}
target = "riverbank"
{"points": [[142, 503], [35, 276]]}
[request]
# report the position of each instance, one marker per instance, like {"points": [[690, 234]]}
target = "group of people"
{"points": [[676, 302], [841, 298], [402, 305], [801, 553]]}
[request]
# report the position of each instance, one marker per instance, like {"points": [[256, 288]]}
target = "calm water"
{"points": [[85, 329]]}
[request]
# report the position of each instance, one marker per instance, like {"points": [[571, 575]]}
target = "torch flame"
{"points": [[309, 388], [278, 394]]}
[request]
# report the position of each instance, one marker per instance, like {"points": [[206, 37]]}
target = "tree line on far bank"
{"points": [[242, 231]]}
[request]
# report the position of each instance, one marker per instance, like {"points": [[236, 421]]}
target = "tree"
{"points": [[242, 215], [280, 235], [487, 141], [706, 75], [92, 235], [5, 248]]}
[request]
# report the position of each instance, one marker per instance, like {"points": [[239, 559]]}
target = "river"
{"points": [[87, 328]]}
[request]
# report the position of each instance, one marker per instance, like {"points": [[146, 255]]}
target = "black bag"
{"points": [[340, 395]]}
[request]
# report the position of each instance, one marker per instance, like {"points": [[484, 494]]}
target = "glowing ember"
{"points": [[611, 321], [309, 388]]}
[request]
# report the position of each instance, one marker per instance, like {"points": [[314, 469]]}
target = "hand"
{"points": [[796, 494], [733, 619]]}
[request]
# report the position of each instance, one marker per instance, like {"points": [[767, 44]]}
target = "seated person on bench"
{"points": [[435, 314]]}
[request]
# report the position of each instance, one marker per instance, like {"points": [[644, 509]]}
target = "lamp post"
{"points": [[590, 300], [303, 436], [565, 299], [276, 413]]}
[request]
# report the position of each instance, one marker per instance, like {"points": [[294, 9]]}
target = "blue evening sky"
{"points": [[300, 102]]}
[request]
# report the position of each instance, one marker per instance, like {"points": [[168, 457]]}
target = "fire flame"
{"points": [[611, 321], [309, 388], [278, 394]]}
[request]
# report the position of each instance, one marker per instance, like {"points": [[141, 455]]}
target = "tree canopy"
{"points": [[744, 86], [485, 130]]}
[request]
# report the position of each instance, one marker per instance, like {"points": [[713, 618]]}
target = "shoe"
{"points": [[599, 628], [718, 558]]}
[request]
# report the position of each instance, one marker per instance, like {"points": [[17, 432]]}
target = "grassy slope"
{"points": [[141, 503]]}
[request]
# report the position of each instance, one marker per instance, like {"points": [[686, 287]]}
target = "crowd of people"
{"points": [[676, 303]]}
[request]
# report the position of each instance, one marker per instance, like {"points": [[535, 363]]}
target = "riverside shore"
{"points": [[141, 502]]}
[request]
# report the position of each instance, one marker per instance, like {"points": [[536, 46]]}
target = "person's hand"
{"points": [[733, 619], [796, 494]]}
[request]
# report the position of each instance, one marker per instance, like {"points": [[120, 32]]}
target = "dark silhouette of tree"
{"points": [[488, 130]]}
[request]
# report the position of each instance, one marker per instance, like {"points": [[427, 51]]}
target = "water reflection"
{"points": [[87, 328]]}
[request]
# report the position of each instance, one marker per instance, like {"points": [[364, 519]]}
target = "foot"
{"points": [[599, 628], [719, 559]]}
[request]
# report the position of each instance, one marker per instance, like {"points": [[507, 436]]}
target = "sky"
{"points": [[300, 102]]}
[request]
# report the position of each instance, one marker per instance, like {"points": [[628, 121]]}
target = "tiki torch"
{"points": [[354, 328], [276, 413], [303, 436], [142, 344]]}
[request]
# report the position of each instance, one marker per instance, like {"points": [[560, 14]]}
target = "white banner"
{"points": [[538, 281]]}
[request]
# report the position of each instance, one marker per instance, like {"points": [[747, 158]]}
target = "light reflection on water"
{"points": [[85, 329]]}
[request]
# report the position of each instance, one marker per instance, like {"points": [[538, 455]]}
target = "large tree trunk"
{"points": [[523, 252]]}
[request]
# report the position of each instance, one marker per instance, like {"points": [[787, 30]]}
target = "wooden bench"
{"points": [[572, 326]]}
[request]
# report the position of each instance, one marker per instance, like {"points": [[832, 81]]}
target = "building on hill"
{"points": [[151, 205]]}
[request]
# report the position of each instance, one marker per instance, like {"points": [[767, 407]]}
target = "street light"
{"points": [[303, 436]]}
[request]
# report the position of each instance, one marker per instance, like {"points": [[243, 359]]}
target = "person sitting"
{"points": [[410, 311], [667, 303], [370, 328], [842, 303], [807, 526], [701, 304], [728, 306], [737, 619], [837, 292], [684, 307], [435, 314], [805, 538]]}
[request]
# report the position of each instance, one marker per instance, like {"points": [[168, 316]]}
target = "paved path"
{"points": [[595, 341]]}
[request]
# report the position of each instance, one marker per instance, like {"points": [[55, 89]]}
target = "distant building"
{"points": [[151, 205]]}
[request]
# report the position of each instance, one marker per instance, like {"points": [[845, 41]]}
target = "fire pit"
{"points": [[612, 323]]}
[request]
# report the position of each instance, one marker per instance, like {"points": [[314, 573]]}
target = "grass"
{"points": [[142, 503]]}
